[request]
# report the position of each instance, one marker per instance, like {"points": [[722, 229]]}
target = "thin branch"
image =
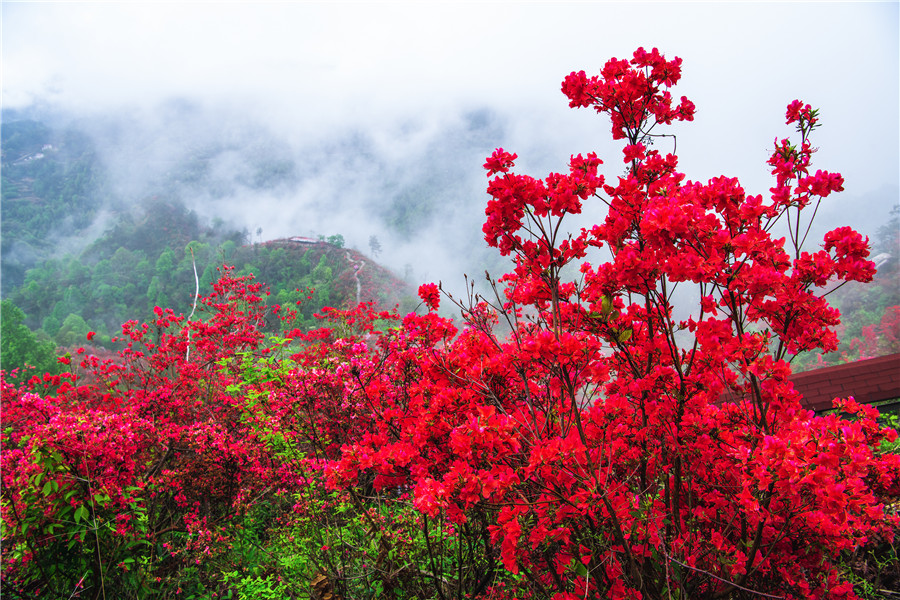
{"points": [[187, 355], [731, 583]]}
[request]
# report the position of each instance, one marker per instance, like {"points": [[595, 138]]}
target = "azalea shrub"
{"points": [[581, 433], [126, 477]]}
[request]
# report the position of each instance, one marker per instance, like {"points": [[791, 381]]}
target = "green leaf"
{"points": [[81, 513], [47, 489], [580, 569], [606, 305]]}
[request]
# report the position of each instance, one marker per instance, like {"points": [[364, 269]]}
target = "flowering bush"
{"points": [[601, 447], [614, 450], [119, 475]]}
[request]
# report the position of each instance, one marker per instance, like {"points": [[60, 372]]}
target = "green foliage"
{"points": [[72, 332], [261, 588], [377, 547], [892, 420], [874, 570], [84, 521], [21, 348]]}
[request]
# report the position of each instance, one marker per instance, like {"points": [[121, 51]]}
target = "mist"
{"points": [[374, 120]]}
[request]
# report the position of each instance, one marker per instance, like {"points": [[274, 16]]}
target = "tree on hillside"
{"points": [[374, 246], [72, 332], [21, 348]]}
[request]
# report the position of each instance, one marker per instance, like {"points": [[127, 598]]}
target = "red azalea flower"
{"points": [[430, 295]]}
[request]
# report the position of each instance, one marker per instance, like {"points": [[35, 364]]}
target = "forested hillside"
{"points": [[58, 284], [52, 188], [149, 261]]}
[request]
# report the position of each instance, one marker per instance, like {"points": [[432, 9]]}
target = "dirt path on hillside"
{"points": [[357, 267]]}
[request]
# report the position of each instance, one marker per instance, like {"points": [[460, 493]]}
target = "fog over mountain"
{"points": [[374, 120]]}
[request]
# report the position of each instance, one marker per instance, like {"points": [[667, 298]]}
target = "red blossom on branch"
{"points": [[430, 295], [499, 162]]}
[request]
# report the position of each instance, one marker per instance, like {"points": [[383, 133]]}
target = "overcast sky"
{"points": [[310, 69]]}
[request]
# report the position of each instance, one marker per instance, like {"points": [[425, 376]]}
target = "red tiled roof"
{"points": [[869, 380]]}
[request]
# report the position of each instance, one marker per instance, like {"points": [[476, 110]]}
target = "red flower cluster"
{"points": [[499, 162], [430, 295], [631, 93], [797, 111]]}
